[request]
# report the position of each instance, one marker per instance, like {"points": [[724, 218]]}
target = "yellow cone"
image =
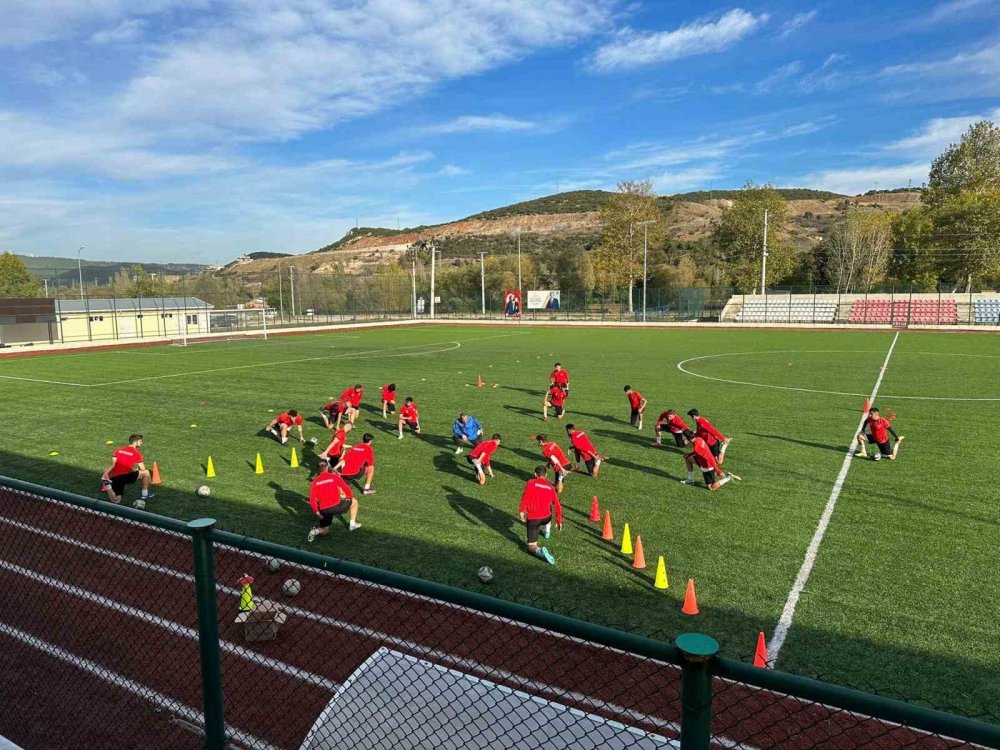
{"points": [[295, 459], [627, 541], [260, 466], [661, 574], [109, 442], [246, 598], [210, 468]]}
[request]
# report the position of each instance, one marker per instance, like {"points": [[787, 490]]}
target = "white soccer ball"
{"points": [[273, 564], [313, 441], [291, 587], [204, 491], [485, 574], [140, 503]]}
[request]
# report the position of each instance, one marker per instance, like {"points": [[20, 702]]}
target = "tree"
{"points": [[915, 260], [574, 272], [858, 250], [15, 280], [739, 235], [971, 165], [617, 258]]}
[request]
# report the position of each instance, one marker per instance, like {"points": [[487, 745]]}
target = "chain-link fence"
{"points": [[125, 629]]}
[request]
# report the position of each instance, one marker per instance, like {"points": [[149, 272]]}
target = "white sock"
{"points": [[658, 440], [145, 493], [690, 476]]}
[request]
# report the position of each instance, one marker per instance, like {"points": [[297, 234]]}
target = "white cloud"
{"points": [[937, 134], [452, 170], [632, 49], [683, 180], [125, 32], [477, 123], [796, 22], [778, 78], [790, 78], [952, 9], [857, 181], [964, 75]]}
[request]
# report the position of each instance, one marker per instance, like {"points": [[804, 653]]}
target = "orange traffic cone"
{"points": [[595, 510], [760, 655], [867, 406], [156, 474], [479, 381], [690, 600], [639, 560], [607, 533]]}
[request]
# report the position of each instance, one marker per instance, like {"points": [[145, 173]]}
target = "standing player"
{"points": [[359, 458], [585, 450], [335, 450], [560, 377], [879, 430], [537, 501], [555, 458], [329, 496], [388, 400], [717, 442], [637, 405], [126, 468], [702, 457], [352, 398], [282, 424], [479, 457], [466, 431], [556, 398], [408, 414], [332, 413], [673, 423]]}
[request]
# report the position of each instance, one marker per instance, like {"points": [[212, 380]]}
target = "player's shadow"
{"points": [[536, 413], [625, 464], [629, 437], [602, 417], [476, 512], [293, 503], [807, 443], [448, 463], [532, 391], [372, 409], [439, 441], [611, 552], [534, 456], [316, 421], [505, 468]]}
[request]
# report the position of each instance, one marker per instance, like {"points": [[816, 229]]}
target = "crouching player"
{"points": [[466, 431], [555, 398], [388, 400], [535, 511], [329, 496], [408, 415], [359, 458], [702, 457], [332, 413], [283, 423], [717, 442], [479, 457], [338, 444], [555, 458], [879, 429], [637, 405], [126, 468], [673, 423], [585, 450]]}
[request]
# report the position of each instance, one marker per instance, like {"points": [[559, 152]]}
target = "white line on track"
{"points": [[788, 613], [136, 688]]}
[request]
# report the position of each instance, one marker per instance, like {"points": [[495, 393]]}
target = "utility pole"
{"points": [[433, 260], [482, 278], [291, 283], [763, 263], [520, 288], [413, 280], [645, 261], [79, 268]]}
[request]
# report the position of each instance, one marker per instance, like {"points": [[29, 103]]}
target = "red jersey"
{"points": [[126, 459], [559, 377], [484, 450], [352, 397], [673, 422], [557, 396], [583, 445], [286, 418], [703, 455], [634, 399], [879, 429], [325, 491], [538, 498], [554, 455], [356, 458], [387, 395], [708, 433], [337, 444], [334, 406], [408, 413]]}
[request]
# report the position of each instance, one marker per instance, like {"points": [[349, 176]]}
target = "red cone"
{"points": [[760, 655], [595, 510]]}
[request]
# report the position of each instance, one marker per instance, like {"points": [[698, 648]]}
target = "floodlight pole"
{"points": [[413, 281], [79, 268], [291, 281], [433, 271], [520, 288], [763, 263], [645, 261], [482, 278]]}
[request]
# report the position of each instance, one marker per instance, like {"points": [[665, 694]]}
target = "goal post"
{"points": [[242, 323]]}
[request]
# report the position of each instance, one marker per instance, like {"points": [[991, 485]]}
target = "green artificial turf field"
{"points": [[904, 595]]}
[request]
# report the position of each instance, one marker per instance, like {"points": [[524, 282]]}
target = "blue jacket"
{"points": [[470, 429]]}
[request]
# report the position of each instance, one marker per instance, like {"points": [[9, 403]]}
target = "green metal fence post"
{"points": [[697, 652], [208, 632]]}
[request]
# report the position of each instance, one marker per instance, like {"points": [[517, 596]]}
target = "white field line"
{"points": [[788, 613], [136, 688], [169, 625]]}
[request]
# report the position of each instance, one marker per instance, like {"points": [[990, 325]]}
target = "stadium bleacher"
{"points": [[783, 310], [986, 311], [920, 311]]}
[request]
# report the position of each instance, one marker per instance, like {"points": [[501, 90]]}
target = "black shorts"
{"points": [[636, 416], [884, 448], [361, 471], [119, 482], [534, 525], [326, 517], [559, 410], [414, 426], [679, 440], [390, 407], [709, 477], [716, 448], [332, 414], [590, 463]]}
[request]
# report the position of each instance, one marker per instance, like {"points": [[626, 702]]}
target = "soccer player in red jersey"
{"points": [[338, 444], [556, 398], [555, 458], [408, 414], [637, 405], [329, 496], [879, 429], [559, 377], [352, 397], [359, 458], [585, 450], [388, 400], [281, 425], [537, 501], [673, 423], [717, 442], [332, 413], [479, 457], [126, 468], [702, 457]]}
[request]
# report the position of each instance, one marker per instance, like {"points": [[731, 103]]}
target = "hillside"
{"points": [[59, 270]]}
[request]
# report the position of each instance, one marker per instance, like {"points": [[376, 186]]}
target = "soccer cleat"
{"points": [[368, 491], [284, 441], [877, 456], [399, 437], [724, 480], [354, 526], [148, 496], [546, 555], [312, 535], [657, 444], [458, 451], [273, 432], [482, 479]]}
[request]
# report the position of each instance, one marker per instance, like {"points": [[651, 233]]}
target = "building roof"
{"points": [[131, 304]]}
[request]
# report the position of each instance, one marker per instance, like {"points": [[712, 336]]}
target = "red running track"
{"points": [[120, 596]]}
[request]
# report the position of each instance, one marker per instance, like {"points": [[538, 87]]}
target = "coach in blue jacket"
{"points": [[466, 431]]}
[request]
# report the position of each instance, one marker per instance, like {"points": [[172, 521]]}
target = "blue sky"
{"points": [[195, 130]]}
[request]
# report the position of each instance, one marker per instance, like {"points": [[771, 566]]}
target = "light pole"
{"points": [[482, 278], [79, 268], [433, 273], [645, 260], [763, 263], [520, 289]]}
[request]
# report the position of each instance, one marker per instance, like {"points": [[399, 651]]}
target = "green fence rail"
{"points": [[140, 630]]}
